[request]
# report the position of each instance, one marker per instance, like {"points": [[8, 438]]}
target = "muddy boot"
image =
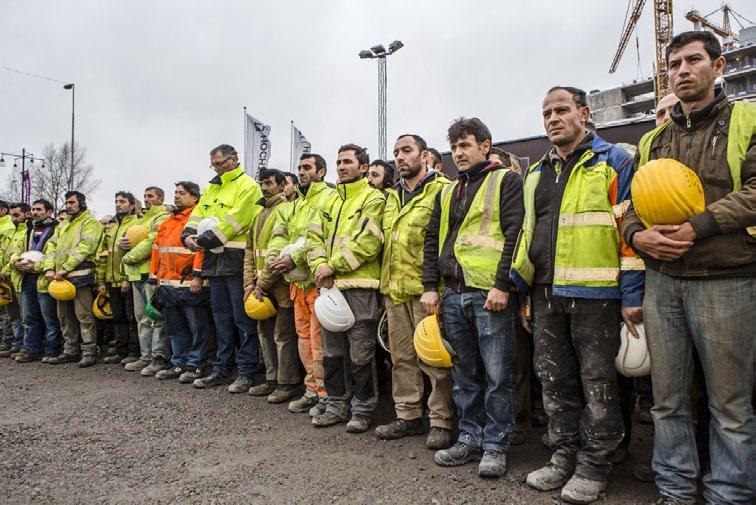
{"points": [[400, 428], [493, 465], [112, 359], [137, 365], [263, 389], [457, 455], [156, 365], [87, 361], [128, 359], [282, 393], [358, 424], [547, 478], [318, 409], [582, 490], [304, 404], [27, 358], [327, 419], [439, 438], [63, 358], [169, 373], [191, 375], [240, 385]]}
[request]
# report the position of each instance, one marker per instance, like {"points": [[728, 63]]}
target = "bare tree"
{"points": [[52, 182]]}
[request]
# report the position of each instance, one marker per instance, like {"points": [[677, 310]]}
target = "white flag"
{"points": [[299, 146], [256, 146]]}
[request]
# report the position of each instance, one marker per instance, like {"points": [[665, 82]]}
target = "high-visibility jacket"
{"points": [[171, 262], [7, 228], [73, 247], [136, 262], [20, 244], [292, 222], [404, 228], [348, 237], [231, 198], [480, 241], [15, 245], [591, 260], [110, 253]]}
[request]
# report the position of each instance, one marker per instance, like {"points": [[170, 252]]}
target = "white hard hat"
{"points": [[333, 311], [632, 359], [33, 256], [298, 274], [208, 224]]}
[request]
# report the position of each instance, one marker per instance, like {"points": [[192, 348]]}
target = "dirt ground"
{"points": [[105, 435]]}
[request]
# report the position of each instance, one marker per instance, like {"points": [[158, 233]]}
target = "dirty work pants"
{"points": [[152, 339], [310, 342], [718, 318], [523, 372], [227, 301], [124, 324], [358, 343], [576, 340], [41, 325], [13, 329], [278, 340], [407, 370], [77, 323]]}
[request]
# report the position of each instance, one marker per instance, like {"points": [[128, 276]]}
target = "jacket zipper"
{"points": [[456, 263], [336, 225], [554, 218], [112, 248]]}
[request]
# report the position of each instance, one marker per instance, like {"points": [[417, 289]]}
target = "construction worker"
{"points": [[184, 295], [405, 218], [70, 255], [468, 247], [700, 282], [344, 244], [230, 200], [291, 186], [114, 283], [277, 334], [19, 214], [291, 229], [380, 176], [435, 161], [582, 281], [42, 337], [153, 343], [6, 230]]}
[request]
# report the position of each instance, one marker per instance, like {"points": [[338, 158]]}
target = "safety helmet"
{"points": [[136, 234], [33, 256], [333, 311], [63, 291], [664, 191], [152, 307], [430, 346], [632, 359], [101, 306], [297, 274], [208, 224], [6, 293], [383, 334], [259, 310]]}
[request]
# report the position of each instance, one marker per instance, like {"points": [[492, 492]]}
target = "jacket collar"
{"points": [[313, 189], [272, 201], [228, 176], [183, 213], [400, 184], [350, 189], [700, 116], [155, 209]]}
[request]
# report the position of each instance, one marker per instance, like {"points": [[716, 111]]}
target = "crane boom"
{"points": [[628, 30], [663, 31], [700, 21]]}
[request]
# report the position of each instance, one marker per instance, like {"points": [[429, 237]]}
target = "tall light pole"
{"points": [[380, 53], [73, 116]]}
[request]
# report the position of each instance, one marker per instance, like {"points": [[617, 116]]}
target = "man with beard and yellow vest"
{"points": [[230, 203], [408, 209], [344, 245], [70, 254], [277, 334], [154, 346], [18, 214], [582, 281], [291, 230], [468, 249]]}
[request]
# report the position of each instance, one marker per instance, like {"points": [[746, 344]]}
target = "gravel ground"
{"points": [[104, 435]]}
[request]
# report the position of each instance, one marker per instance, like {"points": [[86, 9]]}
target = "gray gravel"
{"points": [[104, 435]]}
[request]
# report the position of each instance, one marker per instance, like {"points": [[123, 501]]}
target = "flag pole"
{"points": [[244, 146], [291, 148]]}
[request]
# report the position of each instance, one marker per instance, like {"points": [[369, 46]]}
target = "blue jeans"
{"points": [[227, 300], [483, 367], [40, 318], [717, 317], [188, 328]]}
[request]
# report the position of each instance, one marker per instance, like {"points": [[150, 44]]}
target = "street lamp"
{"points": [[380, 53], [25, 179], [73, 110]]}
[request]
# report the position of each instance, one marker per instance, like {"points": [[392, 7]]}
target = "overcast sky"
{"points": [[159, 83]]}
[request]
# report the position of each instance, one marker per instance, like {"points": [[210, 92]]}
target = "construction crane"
{"points": [[701, 22], [663, 36]]}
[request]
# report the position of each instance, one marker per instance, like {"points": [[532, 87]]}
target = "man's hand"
{"points": [[258, 293], [656, 242], [324, 276], [191, 243], [685, 233], [496, 301], [632, 316], [195, 286], [125, 244], [431, 302], [49, 275], [60, 275], [248, 290], [23, 265], [526, 315], [126, 287], [283, 264]]}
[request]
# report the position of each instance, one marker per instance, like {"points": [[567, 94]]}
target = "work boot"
{"points": [[304, 404], [582, 490], [457, 455], [191, 375], [517, 438], [169, 373], [359, 423], [86, 361], [111, 359], [327, 419], [263, 389], [128, 359], [137, 365], [15, 354], [211, 381], [547, 478], [666, 500], [63, 358], [242, 384], [439, 438], [27, 358], [493, 465], [318, 409], [46, 359], [157, 364], [282, 393], [400, 428], [7, 353]]}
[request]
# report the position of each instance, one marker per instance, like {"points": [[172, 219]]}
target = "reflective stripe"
{"points": [[174, 250], [177, 284], [350, 258], [316, 228], [585, 274], [261, 253], [631, 263], [235, 245], [587, 219], [79, 273], [87, 236], [356, 283], [280, 230], [234, 223], [481, 241], [220, 235], [374, 229], [77, 255], [488, 201], [620, 208], [316, 253]]}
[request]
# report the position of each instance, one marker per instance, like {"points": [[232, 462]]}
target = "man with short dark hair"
{"points": [[700, 281], [290, 186], [19, 213], [434, 160], [468, 249], [380, 175]]}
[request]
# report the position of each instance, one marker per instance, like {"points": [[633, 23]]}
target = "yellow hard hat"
{"points": [[136, 234], [101, 306], [666, 192], [62, 291], [429, 345], [6, 293], [259, 310]]}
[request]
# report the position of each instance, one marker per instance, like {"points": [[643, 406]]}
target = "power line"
{"points": [[32, 75]]}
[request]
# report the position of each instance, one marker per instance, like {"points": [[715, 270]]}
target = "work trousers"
{"points": [[77, 324], [278, 340], [13, 328], [124, 324], [310, 343], [233, 326], [152, 339], [407, 370], [717, 317], [576, 340], [41, 325]]}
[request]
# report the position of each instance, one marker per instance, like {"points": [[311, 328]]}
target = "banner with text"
{"points": [[299, 146], [256, 146]]}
